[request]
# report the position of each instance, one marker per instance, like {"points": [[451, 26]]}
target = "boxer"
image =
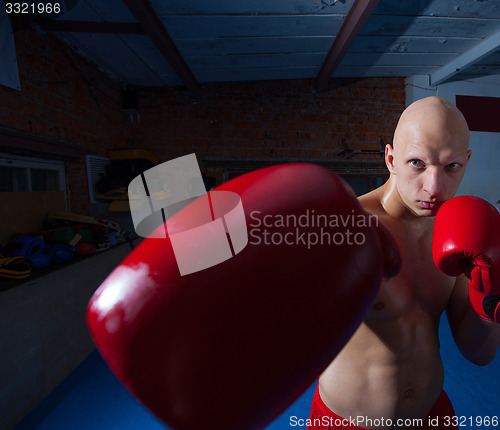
{"points": [[390, 372]]}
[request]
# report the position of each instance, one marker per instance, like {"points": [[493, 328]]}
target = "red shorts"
{"points": [[439, 418]]}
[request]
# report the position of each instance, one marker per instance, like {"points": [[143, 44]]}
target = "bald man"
{"points": [[390, 374]]}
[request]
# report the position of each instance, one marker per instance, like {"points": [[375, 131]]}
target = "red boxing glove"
{"points": [[233, 345], [467, 240]]}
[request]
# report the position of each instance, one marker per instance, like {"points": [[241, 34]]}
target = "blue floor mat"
{"points": [[91, 397]]}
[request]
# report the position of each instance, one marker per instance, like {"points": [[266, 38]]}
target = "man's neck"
{"points": [[394, 205]]}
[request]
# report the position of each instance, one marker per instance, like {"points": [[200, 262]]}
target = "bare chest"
{"points": [[419, 287]]}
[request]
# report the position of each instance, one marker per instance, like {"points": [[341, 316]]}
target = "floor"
{"points": [[91, 398]]}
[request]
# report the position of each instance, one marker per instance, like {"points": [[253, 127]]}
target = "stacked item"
{"points": [[65, 237], [125, 165]]}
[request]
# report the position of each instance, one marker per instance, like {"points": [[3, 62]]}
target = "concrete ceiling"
{"points": [[190, 42]]}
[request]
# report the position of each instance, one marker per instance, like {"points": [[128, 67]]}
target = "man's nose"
{"points": [[433, 183]]}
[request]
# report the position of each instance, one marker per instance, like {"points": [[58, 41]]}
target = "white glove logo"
{"points": [[213, 228]]}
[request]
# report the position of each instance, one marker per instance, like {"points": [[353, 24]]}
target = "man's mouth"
{"points": [[429, 205]]}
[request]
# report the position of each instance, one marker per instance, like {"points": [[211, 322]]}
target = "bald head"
{"points": [[428, 157], [433, 118]]}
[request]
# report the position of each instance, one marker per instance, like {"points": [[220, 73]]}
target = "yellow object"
{"points": [[119, 206], [73, 217]]}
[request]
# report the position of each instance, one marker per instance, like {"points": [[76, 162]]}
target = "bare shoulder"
{"points": [[372, 202]]}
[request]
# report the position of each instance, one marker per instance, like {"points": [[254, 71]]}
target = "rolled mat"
{"points": [[14, 268]]}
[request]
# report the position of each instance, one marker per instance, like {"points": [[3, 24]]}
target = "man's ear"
{"points": [[389, 158]]}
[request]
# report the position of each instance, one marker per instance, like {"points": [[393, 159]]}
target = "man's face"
{"points": [[428, 163]]}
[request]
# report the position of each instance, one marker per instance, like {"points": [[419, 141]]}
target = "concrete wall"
{"points": [[43, 333]]}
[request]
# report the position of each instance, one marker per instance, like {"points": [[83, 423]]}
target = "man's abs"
{"points": [[395, 375]]}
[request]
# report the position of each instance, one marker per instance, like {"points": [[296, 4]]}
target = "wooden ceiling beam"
{"points": [[355, 20], [147, 17], [487, 46]]}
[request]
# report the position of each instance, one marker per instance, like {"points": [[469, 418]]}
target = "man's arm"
{"points": [[477, 339]]}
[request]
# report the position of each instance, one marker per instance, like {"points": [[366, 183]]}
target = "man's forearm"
{"points": [[478, 339]]}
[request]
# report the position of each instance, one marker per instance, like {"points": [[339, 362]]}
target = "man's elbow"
{"points": [[479, 358]]}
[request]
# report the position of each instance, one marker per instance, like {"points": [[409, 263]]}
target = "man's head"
{"points": [[429, 154]]}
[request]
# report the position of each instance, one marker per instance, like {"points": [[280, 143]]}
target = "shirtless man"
{"points": [[217, 349], [391, 368]]}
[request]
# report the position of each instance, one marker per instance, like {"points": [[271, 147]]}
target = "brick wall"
{"points": [[65, 96], [275, 119]]}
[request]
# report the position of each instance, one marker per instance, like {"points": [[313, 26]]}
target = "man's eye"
{"points": [[416, 163], [453, 165]]}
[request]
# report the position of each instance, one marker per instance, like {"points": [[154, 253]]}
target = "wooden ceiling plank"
{"points": [[257, 74], [145, 50], [255, 45], [353, 23], [441, 8], [411, 44], [396, 59], [429, 26], [250, 7], [92, 27], [150, 22], [256, 61], [223, 26], [308, 44], [470, 57], [98, 10], [116, 55], [382, 71]]}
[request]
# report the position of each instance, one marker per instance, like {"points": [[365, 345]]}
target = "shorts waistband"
{"points": [[330, 418]]}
